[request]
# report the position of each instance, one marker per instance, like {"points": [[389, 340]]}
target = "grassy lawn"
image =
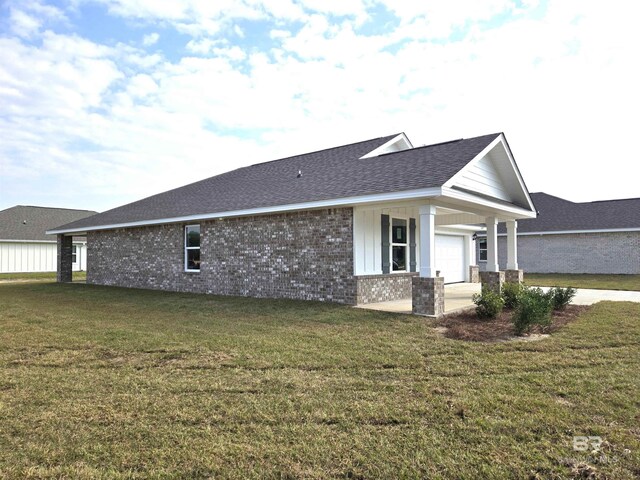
{"points": [[601, 282], [38, 276], [114, 383]]}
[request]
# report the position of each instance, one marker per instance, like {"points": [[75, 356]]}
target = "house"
{"points": [[371, 221], [24, 245], [569, 237]]}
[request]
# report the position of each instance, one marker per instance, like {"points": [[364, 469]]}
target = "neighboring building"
{"points": [[568, 237], [370, 221], [24, 245]]}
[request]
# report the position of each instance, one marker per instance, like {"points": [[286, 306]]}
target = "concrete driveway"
{"points": [[457, 296], [586, 296]]}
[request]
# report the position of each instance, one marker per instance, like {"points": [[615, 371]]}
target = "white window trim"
{"points": [[486, 249], [405, 245], [74, 247], [186, 248]]}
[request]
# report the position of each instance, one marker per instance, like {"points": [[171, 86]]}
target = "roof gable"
{"points": [[493, 173]]}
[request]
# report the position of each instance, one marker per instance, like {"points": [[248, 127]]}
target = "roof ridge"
{"points": [[438, 144], [56, 208], [321, 150], [611, 200]]}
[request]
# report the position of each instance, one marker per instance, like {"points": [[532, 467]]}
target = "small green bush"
{"points": [[561, 297], [489, 303], [534, 308], [511, 292]]}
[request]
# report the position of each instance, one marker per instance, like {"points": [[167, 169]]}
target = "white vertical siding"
{"points": [[368, 236], [27, 257]]}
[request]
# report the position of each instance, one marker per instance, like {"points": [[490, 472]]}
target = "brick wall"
{"points": [[575, 253], [382, 288], [302, 255]]}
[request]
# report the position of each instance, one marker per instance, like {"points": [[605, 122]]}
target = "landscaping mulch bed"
{"points": [[467, 326]]}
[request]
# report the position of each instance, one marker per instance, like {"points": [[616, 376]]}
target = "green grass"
{"points": [[114, 383], [39, 276], [600, 282]]}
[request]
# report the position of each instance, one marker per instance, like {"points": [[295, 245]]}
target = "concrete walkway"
{"points": [[457, 296]]}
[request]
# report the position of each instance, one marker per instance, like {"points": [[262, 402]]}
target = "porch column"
{"points": [[512, 274], [492, 278], [65, 259], [512, 245], [427, 290], [427, 240], [492, 244]]}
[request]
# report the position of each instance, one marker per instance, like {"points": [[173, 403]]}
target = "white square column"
{"points": [[427, 240], [512, 245], [492, 244]]}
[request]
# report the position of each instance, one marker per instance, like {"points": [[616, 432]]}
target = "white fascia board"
{"points": [[564, 232], [499, 139], [336, 202], [27, 241], [499, 209], [381, 149]]}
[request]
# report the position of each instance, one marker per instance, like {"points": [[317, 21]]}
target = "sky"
{"points": [[104, 102]]}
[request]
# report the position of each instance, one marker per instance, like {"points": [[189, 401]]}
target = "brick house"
{"points": [[371, 221], [568, 237]]}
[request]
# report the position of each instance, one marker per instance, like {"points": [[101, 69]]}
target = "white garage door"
{"points": [[450, 258]]}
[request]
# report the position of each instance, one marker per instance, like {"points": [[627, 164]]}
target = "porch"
{"points": [[457, 297]]}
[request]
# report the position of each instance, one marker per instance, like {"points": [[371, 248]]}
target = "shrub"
{"points": [[511, 292], [534, 308], [489, 303], [561, 297]]}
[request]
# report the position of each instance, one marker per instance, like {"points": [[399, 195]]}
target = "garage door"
{"points": [[450, 258]]}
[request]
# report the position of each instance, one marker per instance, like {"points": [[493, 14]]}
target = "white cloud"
{"points": [[561, 86], [150, 39], [238, 31], [23, 24]]}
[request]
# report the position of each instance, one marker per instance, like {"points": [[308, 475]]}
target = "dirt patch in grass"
{"points": [[466, 325]]}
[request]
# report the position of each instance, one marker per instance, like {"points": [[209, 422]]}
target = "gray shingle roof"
{"points": [[333, 173], [30, 223], [557, 214]]}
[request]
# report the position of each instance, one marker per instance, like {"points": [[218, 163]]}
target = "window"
{"points": [[482, 250], [74, 254], [192, 248], [399, 244]]}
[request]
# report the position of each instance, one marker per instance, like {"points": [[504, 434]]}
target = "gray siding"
{"points": [[575, 253], [301, 255]]}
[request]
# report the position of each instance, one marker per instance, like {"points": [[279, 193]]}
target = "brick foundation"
{"points": [[513, 276], [428, 296], [492, 280], [474, 274], [306, 255], [65, 259], [383, 288]]}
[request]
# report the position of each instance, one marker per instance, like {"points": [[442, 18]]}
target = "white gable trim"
{"points": [[401, 142], [500, 139]]}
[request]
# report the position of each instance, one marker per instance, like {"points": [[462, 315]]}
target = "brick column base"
{"points": [[492, 280], [427, 295], [65, 259], [513, 276], [474, 274]]}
